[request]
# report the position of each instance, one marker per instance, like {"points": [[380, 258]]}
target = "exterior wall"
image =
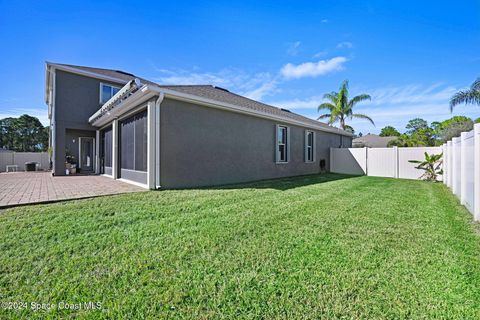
{"points": [[76, 99], [202, 146]]}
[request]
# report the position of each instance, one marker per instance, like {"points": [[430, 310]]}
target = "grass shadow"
{"points": [[285, 183]]}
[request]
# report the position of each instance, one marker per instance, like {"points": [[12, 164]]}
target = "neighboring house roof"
{"points": [[372, 141], [203, 91]]}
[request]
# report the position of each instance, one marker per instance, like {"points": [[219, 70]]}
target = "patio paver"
{"points": [[18, 188]]}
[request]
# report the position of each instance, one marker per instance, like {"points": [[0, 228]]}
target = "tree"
{"points": [[389, 131], [468, 96], [416, 125], [340, 107], [24, 134], [452, 127], [420, 133], [405, 140]]}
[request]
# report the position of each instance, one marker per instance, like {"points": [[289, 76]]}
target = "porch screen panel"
{"points": [[127, 137], [141, 142], [133, 136], [107, 147]]}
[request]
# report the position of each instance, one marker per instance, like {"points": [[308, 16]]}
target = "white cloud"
{"points": [[293, 48], [412, 94], [345, 44], [324, 21], [254, 86], [312, 69], [308, 103], [320, 54]]}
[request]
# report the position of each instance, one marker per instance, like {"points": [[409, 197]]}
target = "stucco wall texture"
{"points": [[203, 146]]}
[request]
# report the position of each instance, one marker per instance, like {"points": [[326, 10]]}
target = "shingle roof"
{"points": [[372, 141], [212, 93]]}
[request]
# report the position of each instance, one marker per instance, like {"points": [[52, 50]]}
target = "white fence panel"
{"points": [[467, 169], [381, 162], [348, 160], [406, 169], [456, 165], [19, 159], [449, 164]]}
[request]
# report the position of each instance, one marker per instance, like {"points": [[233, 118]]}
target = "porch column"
{"points": [[97, 152], [115, 149], [151, 135]]}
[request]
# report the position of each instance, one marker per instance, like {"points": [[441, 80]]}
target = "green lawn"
{"points": [[326, 246]]}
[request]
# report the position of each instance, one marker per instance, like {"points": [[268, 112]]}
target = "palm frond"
{"points": [[362, 116], [466, 97], [359, 98], [475, 85], [332, 96], [326, 105], [324, 116]]}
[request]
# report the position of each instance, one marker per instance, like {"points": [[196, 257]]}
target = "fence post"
{"points": [[366, 161], [476, 173], [455, 166], [463, 168], [395, 164], [444, 163], [449, 163]]}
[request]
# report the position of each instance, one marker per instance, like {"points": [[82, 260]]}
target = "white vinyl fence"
{"points": [[19, 158], [380, 162], [462, 169]]}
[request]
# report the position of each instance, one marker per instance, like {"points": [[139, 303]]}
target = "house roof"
{"points": [[203, 91], [372, 141]]}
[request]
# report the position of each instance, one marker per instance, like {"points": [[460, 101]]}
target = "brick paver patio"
{"points": [[34, 187]]}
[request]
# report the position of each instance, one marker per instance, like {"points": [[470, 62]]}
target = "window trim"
{"points": [[100, 96], [305, 148], [277, 144]]}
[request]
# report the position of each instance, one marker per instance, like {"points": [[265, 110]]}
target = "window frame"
{"points": [[286, 144], [306, 146], [100, 96]]}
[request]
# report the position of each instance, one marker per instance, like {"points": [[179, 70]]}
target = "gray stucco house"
{"points": [[161, 136]]}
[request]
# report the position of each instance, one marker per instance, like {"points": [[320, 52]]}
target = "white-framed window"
{"points": [[309, 146], [282, 144], [107, 91]]}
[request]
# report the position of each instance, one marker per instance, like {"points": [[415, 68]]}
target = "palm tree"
{"points": [[470, 96], [340, 107]]}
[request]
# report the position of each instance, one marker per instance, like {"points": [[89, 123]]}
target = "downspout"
{"points": [[158, 102]]}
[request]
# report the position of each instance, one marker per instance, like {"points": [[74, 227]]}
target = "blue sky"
{"points": [[411, 56]]}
